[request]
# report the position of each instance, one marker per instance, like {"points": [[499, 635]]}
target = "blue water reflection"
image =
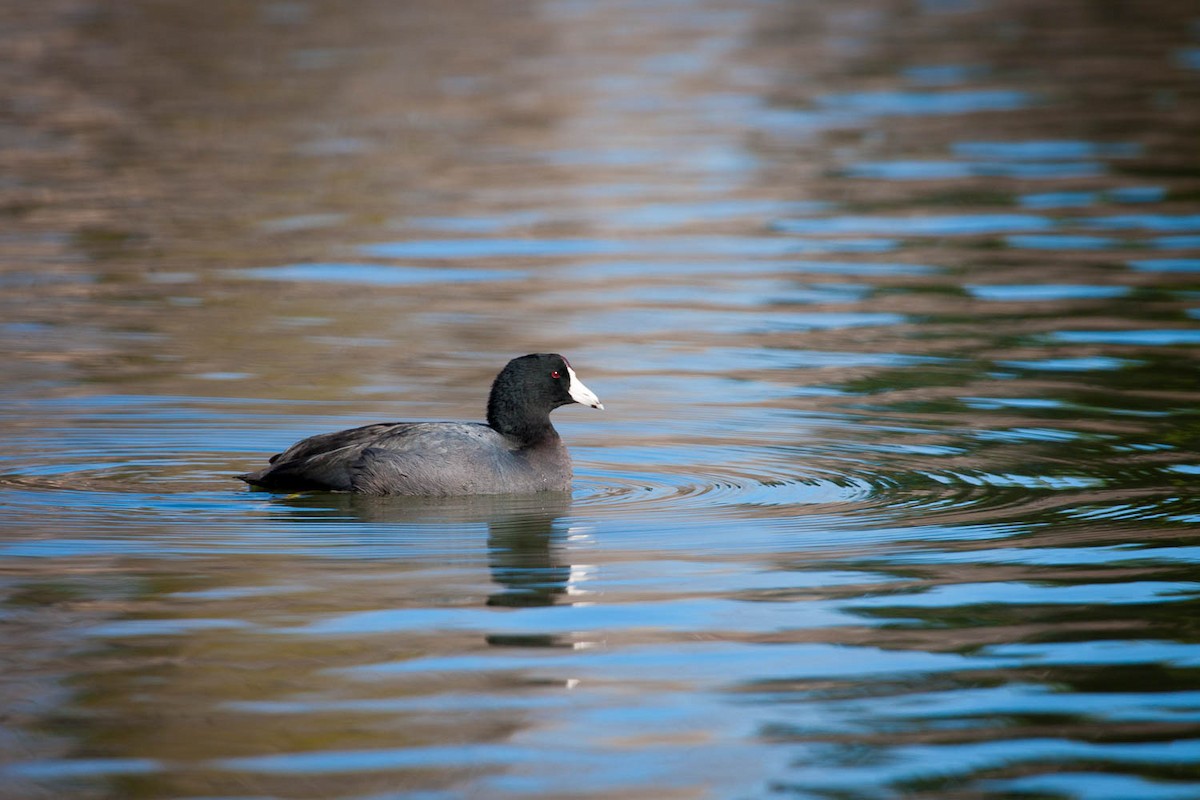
{"points": [[1125, 194], [913, 103], [957, 170], [376, 274], [1188, 57], [1166, 264], [1146, 338], [1046, 150], [1147, 222], [950, 225], [1046, 292]]}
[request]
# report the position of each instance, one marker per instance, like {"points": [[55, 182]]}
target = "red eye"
{"points": [[555, 375]]}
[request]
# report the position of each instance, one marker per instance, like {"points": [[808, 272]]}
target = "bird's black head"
{"points": [[528, 389]]}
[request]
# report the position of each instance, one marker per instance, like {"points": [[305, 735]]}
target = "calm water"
{"points": [[894, 307]]}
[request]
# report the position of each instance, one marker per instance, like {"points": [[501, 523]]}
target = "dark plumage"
{"points": [[516, 452]]}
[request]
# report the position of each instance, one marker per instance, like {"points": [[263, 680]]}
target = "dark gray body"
{"points": [[419, 458]]}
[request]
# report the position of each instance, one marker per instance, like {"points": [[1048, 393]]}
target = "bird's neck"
{"points": [[515, 421]]}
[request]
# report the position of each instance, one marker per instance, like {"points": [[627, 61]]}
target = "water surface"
{"points": [[893, 308]]}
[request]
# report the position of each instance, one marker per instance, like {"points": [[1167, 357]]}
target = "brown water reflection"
{"points": [[895, 302]]}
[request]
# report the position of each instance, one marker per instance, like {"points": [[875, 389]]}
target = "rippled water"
{"points": [[894, 309]]}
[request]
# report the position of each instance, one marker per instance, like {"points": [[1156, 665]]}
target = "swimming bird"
{"points": [[517, 451]]}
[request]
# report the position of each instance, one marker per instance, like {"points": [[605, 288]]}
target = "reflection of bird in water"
{"points": [[525, 559], [525, 533]]}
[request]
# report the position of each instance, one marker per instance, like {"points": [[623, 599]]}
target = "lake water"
{"points": [[894, 309]]}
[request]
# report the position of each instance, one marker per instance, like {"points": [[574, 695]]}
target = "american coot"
{"points": [[516, 452]]}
